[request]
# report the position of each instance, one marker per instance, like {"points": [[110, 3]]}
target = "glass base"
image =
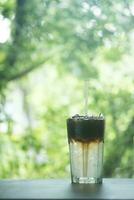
{"points": [[86, 180]]}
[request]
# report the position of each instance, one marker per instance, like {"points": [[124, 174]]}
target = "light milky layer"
{"points": [[86, 159]]}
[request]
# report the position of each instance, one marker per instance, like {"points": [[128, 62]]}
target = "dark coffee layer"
{"points": [[86, 128]]}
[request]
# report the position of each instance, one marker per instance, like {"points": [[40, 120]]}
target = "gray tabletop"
{"points": [[63, 189]]}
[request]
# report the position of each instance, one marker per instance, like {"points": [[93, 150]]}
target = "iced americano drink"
{"points": [[86, 140]]}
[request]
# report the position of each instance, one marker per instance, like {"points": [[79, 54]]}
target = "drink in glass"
{"points": [[86, 141]]}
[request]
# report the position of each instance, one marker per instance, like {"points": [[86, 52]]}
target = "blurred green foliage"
{"points": [[53, 46]]}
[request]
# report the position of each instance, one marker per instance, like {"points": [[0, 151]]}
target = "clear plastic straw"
{"points": [[86, 92]]}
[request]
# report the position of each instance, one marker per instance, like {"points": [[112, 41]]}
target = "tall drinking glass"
{"points": [[86, 141]]}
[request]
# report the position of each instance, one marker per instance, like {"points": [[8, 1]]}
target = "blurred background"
{"points": [[47, 49]]}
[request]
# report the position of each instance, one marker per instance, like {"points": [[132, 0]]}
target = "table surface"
{"points": [[63, 189]]}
